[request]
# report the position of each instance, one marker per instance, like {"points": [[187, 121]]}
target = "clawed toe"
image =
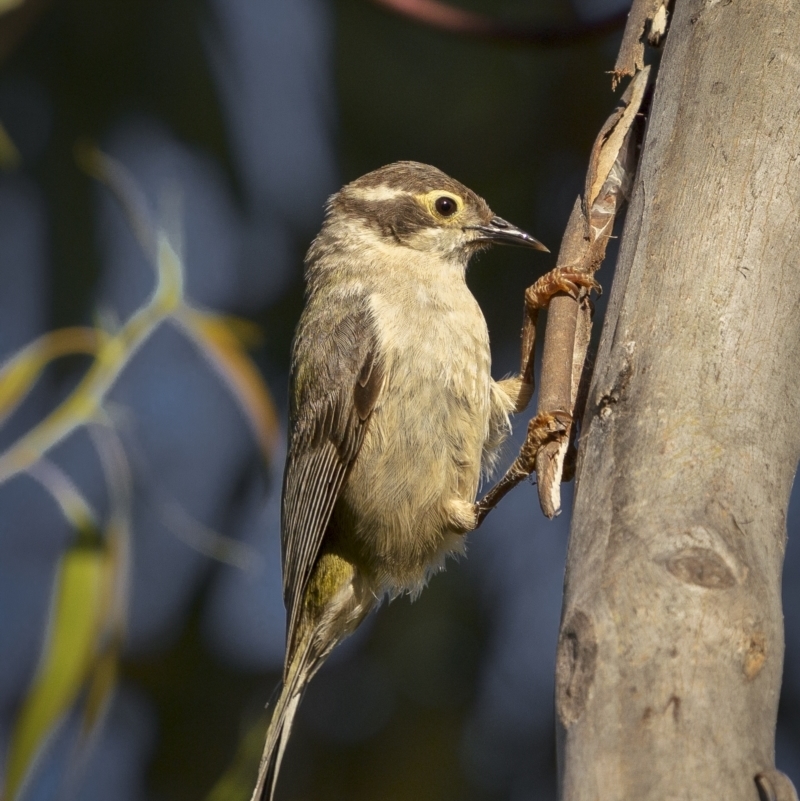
{"points": [[547, 424], [562, 279]]}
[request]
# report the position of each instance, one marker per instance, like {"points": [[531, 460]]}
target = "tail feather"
{"points": [[314, 639], [303, 667], [277, 737], [272, 774]]}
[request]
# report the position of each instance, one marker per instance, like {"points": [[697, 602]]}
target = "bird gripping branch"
{"points": [[393, 411]]}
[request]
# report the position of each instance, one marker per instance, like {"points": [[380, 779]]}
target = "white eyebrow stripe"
{"points": [[381, 192]]}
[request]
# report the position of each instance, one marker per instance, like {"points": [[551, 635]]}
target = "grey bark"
{"points": [[671, 646]]}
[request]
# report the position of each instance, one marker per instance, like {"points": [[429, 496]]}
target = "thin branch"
{"points": [[86, 400]]}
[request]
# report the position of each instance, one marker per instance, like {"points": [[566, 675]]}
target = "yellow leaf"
{"points": [[66, 659], [85, 401], [113, 608], [19, 372], [224, 351], [249, 334]]}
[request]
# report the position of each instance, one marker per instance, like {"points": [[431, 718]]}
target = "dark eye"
{"points": [[446, 206]]}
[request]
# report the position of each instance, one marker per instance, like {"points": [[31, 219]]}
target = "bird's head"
{"points": [[412, 205]]}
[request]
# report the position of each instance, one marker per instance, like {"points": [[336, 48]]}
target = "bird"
{"points": [[393, 417]]}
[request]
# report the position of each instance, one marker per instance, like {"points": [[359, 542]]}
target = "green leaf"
{"points": [[68, 655]]}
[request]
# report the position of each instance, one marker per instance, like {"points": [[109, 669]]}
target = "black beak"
{"points": [[503, 233]]}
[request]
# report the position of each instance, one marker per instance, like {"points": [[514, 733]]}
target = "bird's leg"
{"points": [[541, 429], [546, 425]]}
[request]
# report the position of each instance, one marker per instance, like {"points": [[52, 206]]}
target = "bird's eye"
{"points": [[446, 206]]}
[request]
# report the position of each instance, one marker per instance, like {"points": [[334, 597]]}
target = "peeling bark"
{"points": [[612, 165], [647, 19]]}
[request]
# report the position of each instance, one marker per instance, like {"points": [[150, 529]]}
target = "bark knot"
{"points": [[702, 567], [576, 661]]}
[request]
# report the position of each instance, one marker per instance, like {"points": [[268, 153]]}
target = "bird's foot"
{"points": [[542, 429], [561, 279]]}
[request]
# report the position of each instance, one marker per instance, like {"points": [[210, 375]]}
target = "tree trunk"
{"points": [[671, 646]]}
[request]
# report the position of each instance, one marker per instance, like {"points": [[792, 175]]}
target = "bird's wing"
{"points": [[335, 386]]}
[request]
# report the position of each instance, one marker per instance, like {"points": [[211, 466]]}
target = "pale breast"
{"points": [[423, 447]]}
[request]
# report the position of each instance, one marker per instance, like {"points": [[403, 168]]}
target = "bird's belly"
{"points": [[420, 461]]}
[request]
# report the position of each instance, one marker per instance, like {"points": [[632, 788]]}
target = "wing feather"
{"points": [[334, 392]]}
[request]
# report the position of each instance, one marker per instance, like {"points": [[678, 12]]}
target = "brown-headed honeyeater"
{"points": [[393, 411]]}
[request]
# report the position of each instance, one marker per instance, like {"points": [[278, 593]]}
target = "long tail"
{"points": [[277, 736], [280, 726], [346, 601]]}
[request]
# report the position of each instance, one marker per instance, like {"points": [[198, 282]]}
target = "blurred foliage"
{"points": [[80, 653], [100, 58], [89, 607]]}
